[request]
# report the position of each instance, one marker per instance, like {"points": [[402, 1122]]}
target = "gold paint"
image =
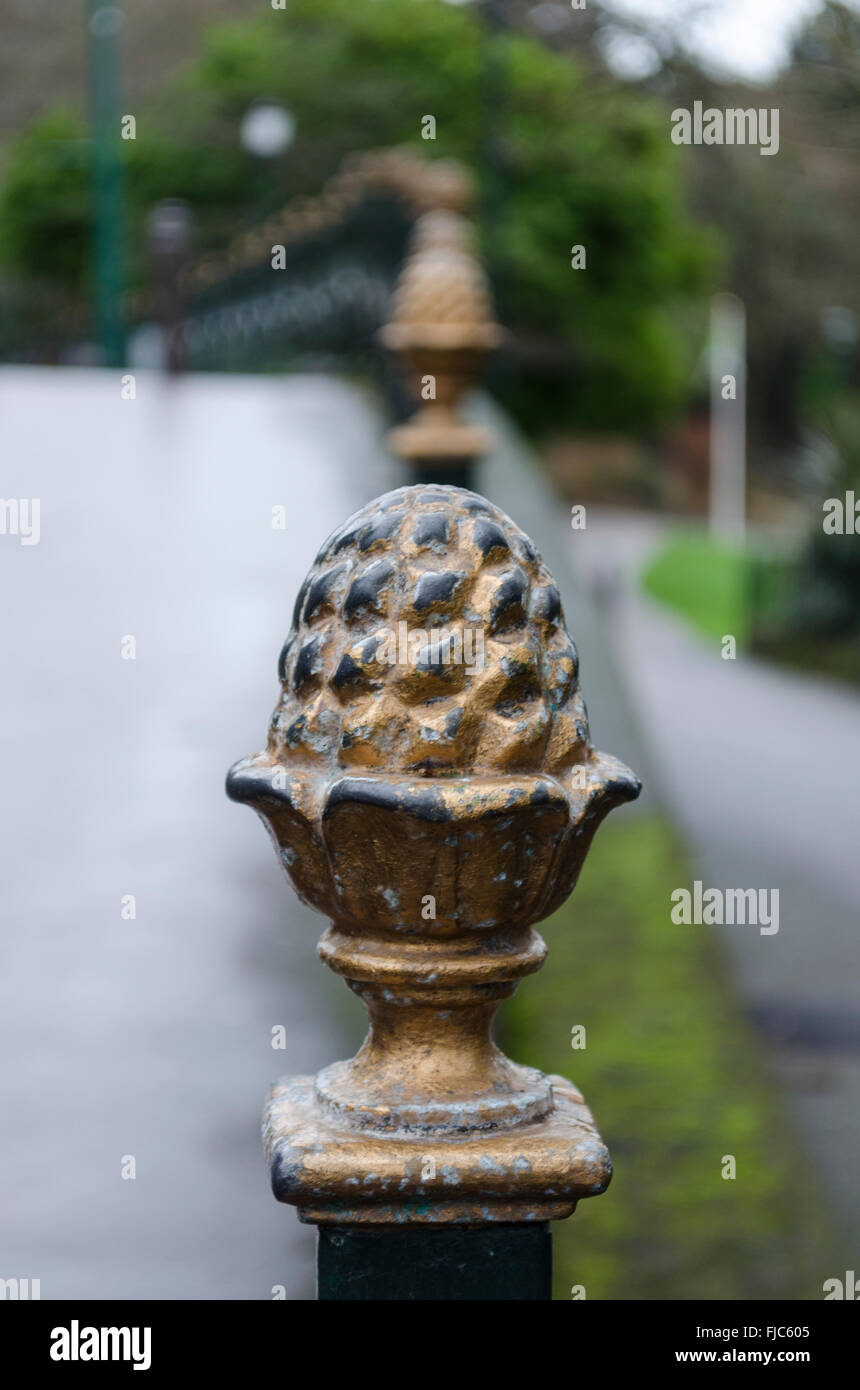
{"points": [[441, 326], [386, 784]]}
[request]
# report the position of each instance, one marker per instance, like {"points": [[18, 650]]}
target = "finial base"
{"points": [[439, 441], [337, 1175]]}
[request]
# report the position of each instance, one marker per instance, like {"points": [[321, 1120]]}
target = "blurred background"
{"points": [[194, 420]]}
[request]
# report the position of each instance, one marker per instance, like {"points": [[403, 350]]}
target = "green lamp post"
{"points": [[105, 24]]}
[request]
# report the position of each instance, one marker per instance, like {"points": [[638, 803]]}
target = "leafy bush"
{"points": [[45, 204]]}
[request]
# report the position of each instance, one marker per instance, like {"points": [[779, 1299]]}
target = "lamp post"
{"points": [[267, 131], [728, 418], [169, 230], [105, 24]]}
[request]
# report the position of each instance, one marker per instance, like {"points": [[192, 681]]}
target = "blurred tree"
{"points": [[46, 223], [788, 221], [588, 163]]}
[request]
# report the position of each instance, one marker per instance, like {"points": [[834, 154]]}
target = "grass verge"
{"points": [[706, 582], [676, 1081]]}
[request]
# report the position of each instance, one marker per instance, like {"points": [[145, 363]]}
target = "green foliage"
{"points": [[815, 621], [826, 599], [587, 161], [45, 204], [676, 1082]]}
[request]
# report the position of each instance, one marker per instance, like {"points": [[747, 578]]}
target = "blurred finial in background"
{"points": [[441, 328]]}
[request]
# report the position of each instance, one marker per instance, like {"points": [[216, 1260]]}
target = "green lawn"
{"points": [[675, 1080], [707, 582]]}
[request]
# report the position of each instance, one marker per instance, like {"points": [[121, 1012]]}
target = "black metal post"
{"points": [[456, 473], [420, 1264]]}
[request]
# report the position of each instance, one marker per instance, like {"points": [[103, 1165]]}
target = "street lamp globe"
{"points": [[267, 130]]}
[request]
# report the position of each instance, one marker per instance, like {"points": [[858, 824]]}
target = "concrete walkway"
{"points": [[152, 1037]]}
